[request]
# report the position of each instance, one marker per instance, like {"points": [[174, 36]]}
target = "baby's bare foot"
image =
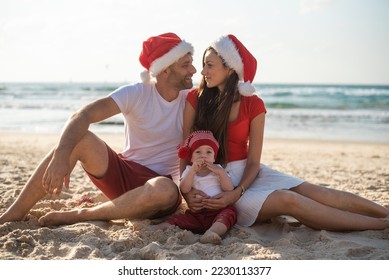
{"points": [[210, 237]]}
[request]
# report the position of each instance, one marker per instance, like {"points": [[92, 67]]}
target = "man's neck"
{"points": [[166, 92]]}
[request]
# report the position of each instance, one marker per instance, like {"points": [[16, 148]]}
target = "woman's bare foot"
{"points": [[210, 237]]}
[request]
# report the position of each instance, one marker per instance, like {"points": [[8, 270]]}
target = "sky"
{"points": [[294, 41]]}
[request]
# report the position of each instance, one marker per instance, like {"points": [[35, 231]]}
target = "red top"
{"points": [[239, 129]]}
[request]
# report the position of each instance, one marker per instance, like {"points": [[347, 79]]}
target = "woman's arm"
{"points": [[251, 170]]}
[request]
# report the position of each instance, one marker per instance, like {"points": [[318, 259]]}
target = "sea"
{"points": [[357, 113]]}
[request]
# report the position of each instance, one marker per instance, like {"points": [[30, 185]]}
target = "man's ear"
{"points": [[166, 71], [164, 74]]}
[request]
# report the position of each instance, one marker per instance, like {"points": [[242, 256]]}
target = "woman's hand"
{"points": [[222, 200], [194, 198]]}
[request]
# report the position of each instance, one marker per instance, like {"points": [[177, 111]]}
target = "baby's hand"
{"points": [[217, 169], [198, 164]]}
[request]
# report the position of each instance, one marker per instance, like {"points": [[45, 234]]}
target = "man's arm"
{"points": [[77, 126]]}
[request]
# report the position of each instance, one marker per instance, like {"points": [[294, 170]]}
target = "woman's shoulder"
{"points": [[252, 100], [193, 93], [192, 97], [253, 103]]}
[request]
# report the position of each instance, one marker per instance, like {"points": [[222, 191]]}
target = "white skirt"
{"points": [[267, 181]]}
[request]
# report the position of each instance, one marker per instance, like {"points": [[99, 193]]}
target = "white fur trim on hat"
{"points": [[226, 48], [146, 77], [246, 88], [170, 57]]}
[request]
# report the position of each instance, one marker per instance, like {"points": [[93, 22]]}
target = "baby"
{"points": [[201, 149]]}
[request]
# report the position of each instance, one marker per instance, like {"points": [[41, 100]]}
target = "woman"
{"points": [[224, 103]]}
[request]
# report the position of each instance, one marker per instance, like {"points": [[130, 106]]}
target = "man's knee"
{"points": [[162, 190], [91, 151], [165, 197], [90, 143]]}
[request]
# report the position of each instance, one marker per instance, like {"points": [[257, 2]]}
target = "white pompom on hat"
{"points": [[159, 52], [236, 56], [195, 140]]}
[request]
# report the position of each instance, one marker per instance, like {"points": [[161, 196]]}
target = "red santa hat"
{"points": [[159, 52], [236, 56], [195, 140]]}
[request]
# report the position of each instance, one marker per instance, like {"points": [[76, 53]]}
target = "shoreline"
{"points": [[361, 168], [118, 136]]}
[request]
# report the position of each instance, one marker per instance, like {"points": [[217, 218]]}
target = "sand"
{"points": [[361, 168]]}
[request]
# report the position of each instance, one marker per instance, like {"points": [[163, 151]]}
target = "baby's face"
{"points": [[205, 153]]}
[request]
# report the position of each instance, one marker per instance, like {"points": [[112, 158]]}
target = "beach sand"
{"points": [[361, 168]]}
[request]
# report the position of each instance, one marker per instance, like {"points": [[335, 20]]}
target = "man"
{"points": [[133, 180]]}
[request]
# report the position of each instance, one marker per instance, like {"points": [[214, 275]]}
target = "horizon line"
{"points": [[196, 84]]}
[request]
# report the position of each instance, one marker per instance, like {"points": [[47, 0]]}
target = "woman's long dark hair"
{"points": [[213, 110]]}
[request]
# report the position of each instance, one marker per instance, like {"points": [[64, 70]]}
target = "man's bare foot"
{"points": [[56, 218], [210, 237]]}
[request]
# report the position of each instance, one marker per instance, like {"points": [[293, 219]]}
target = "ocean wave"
{"points": [[325, 97], [331, 116], [357, 112]]}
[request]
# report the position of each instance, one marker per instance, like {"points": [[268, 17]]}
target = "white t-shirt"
{"points": [[153, 127], [209, 184]]}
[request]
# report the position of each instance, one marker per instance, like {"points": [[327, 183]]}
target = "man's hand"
{"points": [[56, 176]]}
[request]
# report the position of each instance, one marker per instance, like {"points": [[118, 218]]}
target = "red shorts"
{"points": [[123, 175], [201, 221]]}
